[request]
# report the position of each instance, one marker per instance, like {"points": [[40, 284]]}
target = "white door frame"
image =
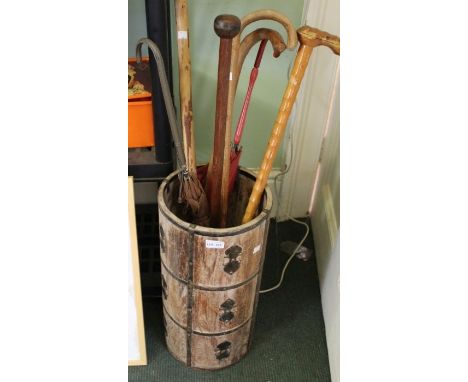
{"points": [[310, 115]]}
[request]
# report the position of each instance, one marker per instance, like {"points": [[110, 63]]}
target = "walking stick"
{"points": [[263, 14], [192, 195], [237, 59], [309, 38], [185, 83], [226, 27], [248, 42], [257, 35], [239, 52]]}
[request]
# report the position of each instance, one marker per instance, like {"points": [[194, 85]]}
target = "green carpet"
{"points": [[289, 337]]}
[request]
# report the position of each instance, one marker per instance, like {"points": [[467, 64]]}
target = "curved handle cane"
{"points": [[257, 35], [171, 115], [309, 38], [248, 42], [269, 14], [236, 63], [262, 14]]}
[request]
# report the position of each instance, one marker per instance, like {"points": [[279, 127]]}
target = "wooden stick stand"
{"points": [[211, 278]]}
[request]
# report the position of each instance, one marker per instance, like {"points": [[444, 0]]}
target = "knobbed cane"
{"points": [[226, 27], [309, 38]]}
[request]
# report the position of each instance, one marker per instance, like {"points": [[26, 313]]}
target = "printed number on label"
{"points": [[214, 244]]}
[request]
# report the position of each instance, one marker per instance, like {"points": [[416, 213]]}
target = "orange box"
{"points": [[140, 111]]}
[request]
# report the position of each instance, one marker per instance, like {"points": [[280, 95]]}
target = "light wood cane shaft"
{"points": [[185, 83], [308, 38]]}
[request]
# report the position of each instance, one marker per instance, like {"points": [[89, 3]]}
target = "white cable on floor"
{"points": [[287, 167], [290, 257]]}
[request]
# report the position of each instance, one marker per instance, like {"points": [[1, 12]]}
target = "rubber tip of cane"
{"points": [[227, 26]]}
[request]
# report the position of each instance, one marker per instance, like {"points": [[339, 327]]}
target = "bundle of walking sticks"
{"points": [[218, 177]]}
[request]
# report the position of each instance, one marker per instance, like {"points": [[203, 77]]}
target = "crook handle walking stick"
{"points": [[237, 59], [262, 14], [248, 42], [226, 27], [236, 65], [171, 115], [309, 38], [260, 34]]}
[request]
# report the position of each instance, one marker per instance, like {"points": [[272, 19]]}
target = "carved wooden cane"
{"points": [[226, 27], [309, 38]]}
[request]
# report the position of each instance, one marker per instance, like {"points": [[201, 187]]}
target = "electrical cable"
{"points": [[290, 258]]}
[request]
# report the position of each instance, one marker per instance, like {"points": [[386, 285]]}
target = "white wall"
{"points": [[330, 290], [310, 113], [325, 217], [316, 142]]}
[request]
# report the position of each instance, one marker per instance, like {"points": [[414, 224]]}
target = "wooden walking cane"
{"points": [[262, 14], [248, 42], [257, 35], [226, 27], [238, 55], [239, 52], [185, 83], [309, 38]]}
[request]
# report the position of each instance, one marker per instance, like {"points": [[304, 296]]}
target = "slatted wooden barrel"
{"points": [[211, 278]]}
